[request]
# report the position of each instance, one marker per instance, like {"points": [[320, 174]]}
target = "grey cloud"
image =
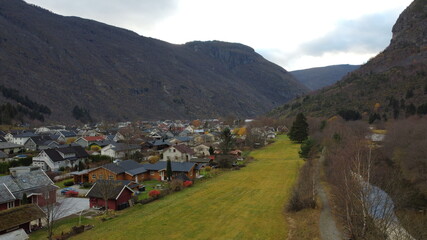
{"points": [[144, 13], [368, 34]]}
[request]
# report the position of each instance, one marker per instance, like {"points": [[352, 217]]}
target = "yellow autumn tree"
{"points": [[242, 131], [377, 107], [196, 123]]}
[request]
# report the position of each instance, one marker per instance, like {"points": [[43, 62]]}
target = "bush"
{"points": [[154, 193], [175, 185], [187, 183], [87, 185], [208, 168], [69, 183]]}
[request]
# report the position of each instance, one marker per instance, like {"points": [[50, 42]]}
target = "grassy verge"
{"points": [[243, 204]]}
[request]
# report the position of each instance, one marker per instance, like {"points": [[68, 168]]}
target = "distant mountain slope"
{"points": [[393, 84], [63, 62], [319, 77]]}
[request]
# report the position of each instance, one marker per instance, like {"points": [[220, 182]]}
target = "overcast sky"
{"points": [[294, 34]]}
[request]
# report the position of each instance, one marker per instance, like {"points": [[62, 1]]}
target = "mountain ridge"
{"points": [[116, 74], [319, 77], [390, 85]]}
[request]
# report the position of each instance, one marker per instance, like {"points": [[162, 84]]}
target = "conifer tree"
{"points": [[169, 169], [299, 129]]}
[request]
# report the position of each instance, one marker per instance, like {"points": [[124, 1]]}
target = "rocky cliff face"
{"points": [[396, 78], [116, 74]]}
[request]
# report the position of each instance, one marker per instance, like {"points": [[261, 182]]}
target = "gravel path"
{"points": [[327, 225]]}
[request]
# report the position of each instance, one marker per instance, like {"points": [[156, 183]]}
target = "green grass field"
{"points": [[243, 204]]}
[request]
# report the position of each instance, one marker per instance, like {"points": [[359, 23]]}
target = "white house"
{"points": [[54, 159], [201, 150], [120, 150], [178, 153]]}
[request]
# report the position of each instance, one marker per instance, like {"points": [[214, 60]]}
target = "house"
{"points": [[21, 138], [157, 144], [65, 136], [11, 148], [54, 159], [120, 150], [201, 150], [178, 153], [157, 171], [26, 184], [122, 170], [22, 217], [81, 176], [39, 143], [117, 192], [86, 141]]}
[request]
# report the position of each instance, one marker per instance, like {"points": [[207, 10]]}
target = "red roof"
{"points": [[94, 138]]}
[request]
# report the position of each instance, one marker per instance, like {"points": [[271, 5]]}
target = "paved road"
{"points": [[327, 225]]}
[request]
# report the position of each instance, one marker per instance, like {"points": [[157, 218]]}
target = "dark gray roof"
{"points": [[160, 143], [176, 166], [114, 188], [40, 140], [6, 145], [2, 139], [200, 160], [5, 194], [68, 133], [25, 134], [129, 166], [124, 147], [55, 155], [30, 182], [136, 171]]}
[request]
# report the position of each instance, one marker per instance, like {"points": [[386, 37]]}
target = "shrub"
{"points": [[154, 193], [208, 168], [175, 185], [69, 183], [188, 183], [87, 185], [153, 159]]}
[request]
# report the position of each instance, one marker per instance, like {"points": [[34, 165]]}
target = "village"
{"points": [[51, 172]]}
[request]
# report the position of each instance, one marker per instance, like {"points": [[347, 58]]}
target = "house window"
{"points": [[174, 150], [151, 172], [94, 176], [11, 204], [111, 177], [101, 176]]}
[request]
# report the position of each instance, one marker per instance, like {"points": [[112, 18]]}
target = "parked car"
{"points": [[72, 193], [65, 190]]}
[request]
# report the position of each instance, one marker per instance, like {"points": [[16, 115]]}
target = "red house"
{"points": [[118, 194], [26, 185]]}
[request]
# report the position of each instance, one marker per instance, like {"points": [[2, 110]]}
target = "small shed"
{"points": [[117, 192], [23, 217]]}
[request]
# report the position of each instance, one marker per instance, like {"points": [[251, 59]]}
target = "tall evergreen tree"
{"points": [[227, 141], [169, 169], [299, 129]]}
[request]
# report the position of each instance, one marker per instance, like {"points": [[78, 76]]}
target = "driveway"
{"points": [[70, 206], [82, 191]]}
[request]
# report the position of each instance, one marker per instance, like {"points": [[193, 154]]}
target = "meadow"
{"points": [[240, 204]]}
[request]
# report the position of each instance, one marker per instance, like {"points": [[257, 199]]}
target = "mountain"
{"points": [[319, 77], [115, 74], [391, 85]]}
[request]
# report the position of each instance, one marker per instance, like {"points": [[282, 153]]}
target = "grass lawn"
{"points": [[149, 185], [60, 184], [243, 204]]}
